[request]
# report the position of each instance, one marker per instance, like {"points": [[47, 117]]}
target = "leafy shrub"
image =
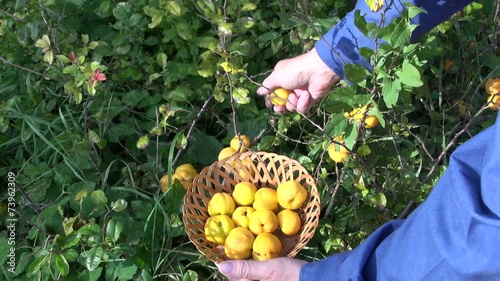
{"points": [[100, 99]]}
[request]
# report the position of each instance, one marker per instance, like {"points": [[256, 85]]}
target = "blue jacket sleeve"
{"points": [[453, 235], [341, 45]]}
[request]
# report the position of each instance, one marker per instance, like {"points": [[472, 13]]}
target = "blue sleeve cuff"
{"points": [[453, 235], [341, 45]]}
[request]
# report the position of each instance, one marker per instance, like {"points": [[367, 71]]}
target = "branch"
{"points": [[191, 127], [11, 15], [20, 67]]}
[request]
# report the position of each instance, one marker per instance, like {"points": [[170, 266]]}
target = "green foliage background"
{"points": [[181, 77]]}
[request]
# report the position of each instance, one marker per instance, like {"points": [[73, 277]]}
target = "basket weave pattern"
{"points": [[264, 170]]}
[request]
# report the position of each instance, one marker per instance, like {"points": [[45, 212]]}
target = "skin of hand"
{"points": [[307, 76], [277, 269]]}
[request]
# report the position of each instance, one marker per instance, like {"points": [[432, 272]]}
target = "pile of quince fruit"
{"points": [[247, 220]]}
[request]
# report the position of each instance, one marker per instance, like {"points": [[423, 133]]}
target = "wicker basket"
{"points": [[264, 170]]}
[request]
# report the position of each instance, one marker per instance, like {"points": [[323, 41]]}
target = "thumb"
{"points": [[246, 269]]}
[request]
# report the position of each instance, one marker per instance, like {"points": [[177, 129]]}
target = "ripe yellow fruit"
{"points": [[244, 193], [266, 246], [279, 96], [492, 86], [245, 143], [338, 153], [221, 204], [494, 101], [262, 221], [164, 183], [217, 228], [242, 171], [241, 216], [266, 199], [187, 171], [289, 222], [291, 194], [358, 114], [226, 152], [238, 244], [184, 173]]}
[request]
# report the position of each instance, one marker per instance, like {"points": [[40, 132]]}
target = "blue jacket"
{"points": [[455, 233]]}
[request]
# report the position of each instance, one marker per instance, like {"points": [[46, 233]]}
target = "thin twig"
{"points": [[20, 67], [12, 16], [191, 127]]}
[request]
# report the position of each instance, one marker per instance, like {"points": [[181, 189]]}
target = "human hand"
{"points": [[278, 269], [307, 76]]}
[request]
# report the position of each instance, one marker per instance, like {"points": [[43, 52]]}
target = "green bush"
{"points": [[100, 99]]}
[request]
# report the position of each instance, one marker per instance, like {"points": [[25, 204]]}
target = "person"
{"points": [[453, 235]]}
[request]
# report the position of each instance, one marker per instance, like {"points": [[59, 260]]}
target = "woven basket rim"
{"points": [[195, 214]]}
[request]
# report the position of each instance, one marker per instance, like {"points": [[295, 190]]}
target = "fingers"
{"points": [[278, 269], [239, 270], [300, 101]]}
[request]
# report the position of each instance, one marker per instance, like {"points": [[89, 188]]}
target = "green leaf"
{"points": [[99, 198], [37, 264], [63, 58], [190, 276], [93, 136], [114, 229], [173, 8], [44, 42], [119, 205], [355, 72], [360, 22], [401, 35], [49, 57], [410, 75], [93, 257], [127, 272], [71, 255], [364, 150], [379, 199], [413, 10], [121, 11], [390, 91], [240, 95], [161, 58], [61, 263]]}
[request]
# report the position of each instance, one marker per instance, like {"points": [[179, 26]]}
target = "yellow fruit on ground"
{"points": [[244, 193], [164, 183], [235, 143], [494, 101], [492, 86], [217, 228], [338, 152], [238, 244], [266, 199], [262, 221], [266, 246], [291, 194], [279, 96], [226, 152], [289, 222], [241, 216], [221, 204]]}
